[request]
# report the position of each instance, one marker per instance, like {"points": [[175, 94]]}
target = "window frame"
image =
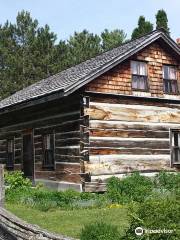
{"points": [[10, 154], [146, 89], [170, 81], [48, 148], [173, 147]]}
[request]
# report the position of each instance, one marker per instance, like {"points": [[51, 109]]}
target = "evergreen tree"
{"points": [[162, 21], [83, 46], [143, 28], [111, 39], [29, 53]]}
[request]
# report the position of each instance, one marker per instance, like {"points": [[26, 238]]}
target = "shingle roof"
{"points": [[75, 77]]}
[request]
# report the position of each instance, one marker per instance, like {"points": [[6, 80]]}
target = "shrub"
{"points": [[167, 181], [100, 231], [16, 179], [156, 213], [131, 188]]}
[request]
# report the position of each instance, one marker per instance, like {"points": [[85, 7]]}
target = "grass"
{"points": [[70, 222]]}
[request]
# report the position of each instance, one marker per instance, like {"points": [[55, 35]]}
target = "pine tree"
{"points": [[162, 21], [83, 46], [143, 28], [111, 39]]}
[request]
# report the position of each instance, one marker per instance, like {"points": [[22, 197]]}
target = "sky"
{"points": [[66, 16]]}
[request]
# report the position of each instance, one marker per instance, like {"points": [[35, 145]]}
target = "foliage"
{"points": [[100, 231], [162, 21], [144, 27], [111, 39], [16, 180], [156, 213], [167, 181], [30, 52], [131, 188], [45, 199]]}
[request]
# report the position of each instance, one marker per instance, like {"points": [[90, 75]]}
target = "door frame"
{"points": [[29, 131]]}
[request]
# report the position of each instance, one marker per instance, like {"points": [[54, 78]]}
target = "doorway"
{"points": [[28, 154]]}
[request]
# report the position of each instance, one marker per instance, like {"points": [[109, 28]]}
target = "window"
{"points": [[48, 151], [170, 79], [175, 146], [10, 154], [139, 75]]}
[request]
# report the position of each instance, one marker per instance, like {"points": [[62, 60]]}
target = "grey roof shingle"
{"points": [[75, 77]]}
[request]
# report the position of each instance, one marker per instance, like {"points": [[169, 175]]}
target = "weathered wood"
{"points": [[125, 125], [16, 229], [2, 188], [68, 150], [139, 113], [67, 158], [114, 164], [129, 142], [123, 150], [128, 133]]}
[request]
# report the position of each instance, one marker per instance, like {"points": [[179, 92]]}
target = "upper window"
{"points": [[170, 79], [139, 75]]}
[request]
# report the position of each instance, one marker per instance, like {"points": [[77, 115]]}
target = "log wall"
{"points": [[63, 118], [129, 135]]}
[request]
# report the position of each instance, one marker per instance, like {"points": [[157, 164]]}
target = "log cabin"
{"points": [[111, 115]]}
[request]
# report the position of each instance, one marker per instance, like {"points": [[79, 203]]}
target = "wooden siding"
{"points": [[118, 80]]}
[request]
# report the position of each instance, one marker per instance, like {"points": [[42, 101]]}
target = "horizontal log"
{"points": [[65, 135], [68, 150], [69, 125], [140, 151], [68, 141], [128, 133], [129, 142], [112, 164], [67, 158], [138, 113], [125, 125], [127, 157], [117, 99]]}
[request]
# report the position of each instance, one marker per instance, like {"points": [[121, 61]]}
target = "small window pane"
{"points": [[169, 72], [10, 146], [138, 68]]}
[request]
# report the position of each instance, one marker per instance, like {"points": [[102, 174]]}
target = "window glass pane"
{"points": [[134, 82], [172, 73], [169, 72], [176, 139], [165, 72], [138, 68], [174, 86], [176, 155], [10, 146]]}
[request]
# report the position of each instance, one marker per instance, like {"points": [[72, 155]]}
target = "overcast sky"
{"points": [[66, 16]]}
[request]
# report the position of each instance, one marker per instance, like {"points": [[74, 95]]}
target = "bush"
{"points": [[16, 180], [156, 213], [167, 181], [100, 231], [131, 188]]}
